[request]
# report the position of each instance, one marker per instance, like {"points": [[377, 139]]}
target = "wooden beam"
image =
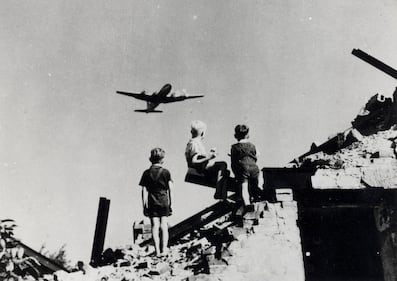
{"points": [[375, 63], [47, 266], [100, 231], [199, 220]]}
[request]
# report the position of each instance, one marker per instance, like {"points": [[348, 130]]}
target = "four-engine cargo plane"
{"points": [[156, 98]]}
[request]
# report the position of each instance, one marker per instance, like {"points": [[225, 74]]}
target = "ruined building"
{"points": [[346, 194]]}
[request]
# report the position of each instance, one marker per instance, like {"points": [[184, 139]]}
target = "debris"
{"points": [[142, 265], [160, 269], [284, 195]]}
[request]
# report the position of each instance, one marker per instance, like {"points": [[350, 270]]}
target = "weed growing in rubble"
{"points": [[13, 264], [59, 256]]}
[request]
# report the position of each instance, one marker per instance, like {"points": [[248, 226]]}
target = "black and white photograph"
{"points": [[198, 140]]}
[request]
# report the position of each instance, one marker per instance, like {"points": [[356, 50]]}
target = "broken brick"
{"points": [[159, 269], [284, 195], [210, 251], [142, 265]]}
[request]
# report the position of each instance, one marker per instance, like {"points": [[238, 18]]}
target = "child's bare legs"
{"points": [[156, 233], [244, 193], [164, 234]]}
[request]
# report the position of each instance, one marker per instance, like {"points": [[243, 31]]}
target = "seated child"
{"points": [[243, 162], [156, 185], [198, 159]]}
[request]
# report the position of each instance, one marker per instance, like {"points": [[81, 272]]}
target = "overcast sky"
{"points": [[283, 67]]}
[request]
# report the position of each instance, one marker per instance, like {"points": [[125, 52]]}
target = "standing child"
{"points": [[243, 162], [156, 185]]}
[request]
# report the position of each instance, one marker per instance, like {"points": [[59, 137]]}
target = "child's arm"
{"points": [[171, 186], [144, 197], [198, 159]]}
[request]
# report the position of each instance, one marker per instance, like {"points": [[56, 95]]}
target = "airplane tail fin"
{"points": [[148, 111]]}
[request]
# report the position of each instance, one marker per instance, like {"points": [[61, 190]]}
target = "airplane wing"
{"points": [[178, 98], [193, 97], [140, 96], [148, 110]]}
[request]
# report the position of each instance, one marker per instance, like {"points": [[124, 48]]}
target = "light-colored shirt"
{"points": [[193, 147]]}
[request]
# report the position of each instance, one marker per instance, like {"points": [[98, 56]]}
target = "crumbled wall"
{"points": [[265, 247], [273, 252], [370, 162]]}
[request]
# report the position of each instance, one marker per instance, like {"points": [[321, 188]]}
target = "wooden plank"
{"points": [[100, 231], [199, 220], [375, 63], [47, 265]]}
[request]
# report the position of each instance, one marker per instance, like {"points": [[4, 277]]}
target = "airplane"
{"points": [[157, 98]]}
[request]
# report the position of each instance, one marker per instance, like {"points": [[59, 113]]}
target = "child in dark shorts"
{"points": [[156, 185], [243, 162]]}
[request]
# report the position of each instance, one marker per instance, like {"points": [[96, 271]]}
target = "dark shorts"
{"points": [[246, 171], [159, 205], [159, 211]]}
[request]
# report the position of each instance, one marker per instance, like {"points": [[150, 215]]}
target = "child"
{"points": [[198, 159], [156, 185], [244, 167]]}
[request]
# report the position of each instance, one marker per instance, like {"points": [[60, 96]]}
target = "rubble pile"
{"points": [[262, 243], [140, 263], [379, 114], [363, 156], [359, 154]]}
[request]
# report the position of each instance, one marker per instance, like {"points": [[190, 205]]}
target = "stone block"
{"points": [[248, 225], [323, 179], [159, 269], [290, 205], [238, 233], [210, 258], [210, 251], [201, 277], [284, 194], [216, 269], [146, 236], [180, 273], [251, 215], [381, 176], [347, 181], [122, 263], [142, 265], [266, 215]]}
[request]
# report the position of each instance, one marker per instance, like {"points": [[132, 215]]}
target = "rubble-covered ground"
{"points": [[262, 245]]}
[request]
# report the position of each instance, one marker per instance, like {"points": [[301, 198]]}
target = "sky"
{"points": [[282, 67]]}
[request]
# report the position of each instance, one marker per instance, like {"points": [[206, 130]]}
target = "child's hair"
{"points": [[157, 155], [241, 132], [198, 128]]}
